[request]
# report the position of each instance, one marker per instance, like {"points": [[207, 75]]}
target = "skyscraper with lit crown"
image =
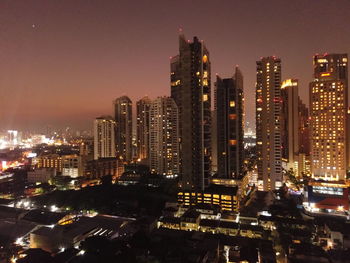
{"points": [[294, 128]]}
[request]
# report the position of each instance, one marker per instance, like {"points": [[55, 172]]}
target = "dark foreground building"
{"points": [[229, 116]]}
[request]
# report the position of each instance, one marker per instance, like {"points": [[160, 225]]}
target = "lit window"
{"points": [[233, 142], [205, 59], [233, 116]]}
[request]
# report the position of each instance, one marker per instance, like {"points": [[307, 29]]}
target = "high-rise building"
{"points": [[104, 144], [304, 127], [294, 129], [229, 110], [123, 135], [304, 140], [268, 122], [214, 142], [164, 137], [290, 123], [328, 111], [142, 129], [191, 90]]}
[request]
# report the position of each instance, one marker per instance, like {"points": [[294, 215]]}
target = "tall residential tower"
{"points": [[294, 129], [229, 117], [123, 136], [142, 129], [191, 90], [104, 144], [268, 121], [164, 137]]}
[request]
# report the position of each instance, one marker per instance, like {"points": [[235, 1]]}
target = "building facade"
{"points": [[123, 131], [191, 90], [96, 169], [73, 166], [41, 175], [329, 117], [290, 123], [294, 129], [49, 161], [229, 109], [164, 137], [142, 129], [268, 122], [104, 138]]}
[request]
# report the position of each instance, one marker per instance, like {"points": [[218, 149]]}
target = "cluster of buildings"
{"points": [[184, 136], [313, 144], [174, 135], [181, 136]]}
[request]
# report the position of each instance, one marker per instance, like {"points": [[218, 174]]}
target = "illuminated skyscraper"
{"points": [[123, 135], [290, 123], [268, 121], [191, 90], [229, 110], [142, 129], [328, 106], [164, 137], [294, 128], [104, 144]]}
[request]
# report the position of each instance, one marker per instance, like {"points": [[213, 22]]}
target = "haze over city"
{"points": [[63, 62]]}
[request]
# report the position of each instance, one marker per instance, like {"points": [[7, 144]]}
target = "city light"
{"points": [[249, 164], [53, 208]]}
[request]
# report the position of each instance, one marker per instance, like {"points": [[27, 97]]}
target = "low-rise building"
{"points": [[337, 234], [96, 169], [225, 197], [72, 166], [49, 161], [251, 231], [190, 220], [228, 228], [169, 222], [41, 175]]}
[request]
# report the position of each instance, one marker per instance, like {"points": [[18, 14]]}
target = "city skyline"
{"points": [[53, 53]]}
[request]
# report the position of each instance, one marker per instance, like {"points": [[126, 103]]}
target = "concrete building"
{"points": [[329, 117], [191, 89], [225, 197], [214, 142], [73, 166], [304, 129], [41, 175], [96, 169], [123, 135], [290, 123], [268, 122], [104, 139], [229, 109], [49, 161], [142, 129], [164, 137]]}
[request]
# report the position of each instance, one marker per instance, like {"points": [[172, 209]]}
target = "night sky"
{"points": [[62, 62]]}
